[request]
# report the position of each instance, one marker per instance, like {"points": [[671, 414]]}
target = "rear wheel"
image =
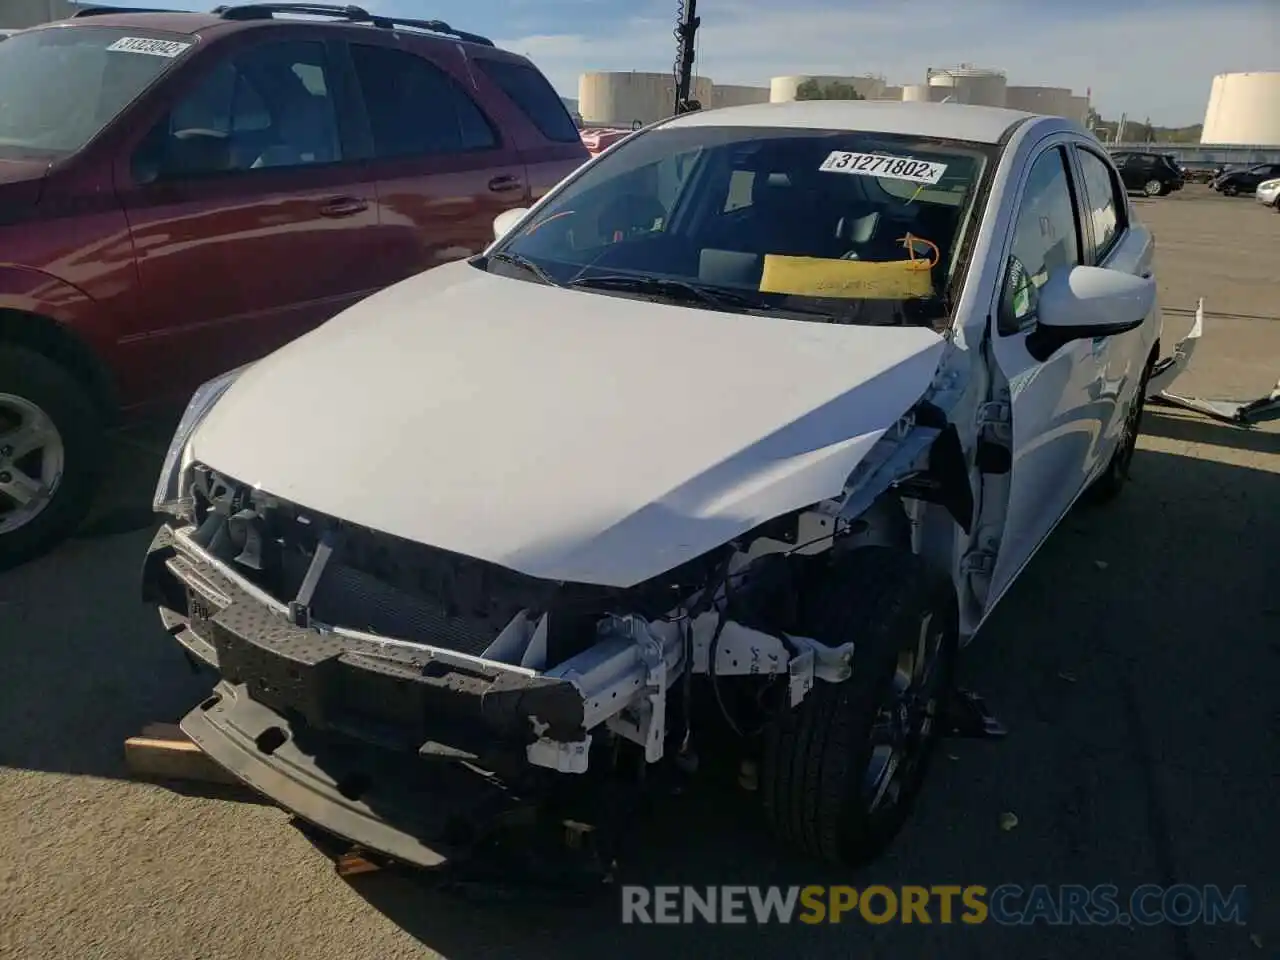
{"points": [[841, 771], [51, 448], [1153, 188]]}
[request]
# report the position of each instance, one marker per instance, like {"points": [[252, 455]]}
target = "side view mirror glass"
{"points": [[506, 220]]}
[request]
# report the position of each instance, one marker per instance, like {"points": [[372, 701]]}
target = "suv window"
{"points": [[415, 108], [1104, 201], [269, 106], [535, 97], [1046, 240]]}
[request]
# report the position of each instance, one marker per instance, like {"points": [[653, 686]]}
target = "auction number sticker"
{"points": [[154, 48], [882, 165]]}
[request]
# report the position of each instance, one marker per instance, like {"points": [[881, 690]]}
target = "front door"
{"points": [[248, 225], [1056, 421]]}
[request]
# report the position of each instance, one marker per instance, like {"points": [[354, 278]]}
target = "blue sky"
{"points": [[1152, 58]]}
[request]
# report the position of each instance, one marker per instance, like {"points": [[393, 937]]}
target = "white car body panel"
{"points": [[567, 435]]}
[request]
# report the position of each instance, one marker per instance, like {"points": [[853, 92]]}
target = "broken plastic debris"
{"points": [[1069, 677], [1256, 940], [1100, 564], [747, 777], [1008, 821]]}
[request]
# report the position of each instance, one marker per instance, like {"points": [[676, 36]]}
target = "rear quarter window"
{"points": [[529, 90]]}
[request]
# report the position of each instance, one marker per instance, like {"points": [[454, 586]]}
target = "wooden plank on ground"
{"points": [[164, 752]]}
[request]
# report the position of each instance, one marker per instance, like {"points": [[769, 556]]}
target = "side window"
{"points": [[1104, 202], [415, 108], [267, 107], [1046, 240], [537, 99]]}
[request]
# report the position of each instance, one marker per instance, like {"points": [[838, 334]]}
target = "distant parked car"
{"points": [[1153, 174], [1268, 194], [1245, 179], [181, 193]]}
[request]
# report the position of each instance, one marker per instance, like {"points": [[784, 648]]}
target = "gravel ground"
{"points": [[1136, 664]]}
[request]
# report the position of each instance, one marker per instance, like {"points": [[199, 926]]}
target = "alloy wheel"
{"points": [[906, 720], [1152, 188], [32, 458]]}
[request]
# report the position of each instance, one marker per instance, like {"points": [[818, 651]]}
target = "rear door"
{"points": [[554, 149], [443, 168], [249, 223], [1052, 405], [1113, 240]]}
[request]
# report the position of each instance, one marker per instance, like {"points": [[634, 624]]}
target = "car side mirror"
{"points": [[506, 220], [1085, 303]]}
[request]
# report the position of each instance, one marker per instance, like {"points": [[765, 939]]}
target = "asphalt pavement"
{"points": [[1136, 665]]}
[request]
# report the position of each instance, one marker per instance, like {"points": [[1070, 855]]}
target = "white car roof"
{"points": [[949, 121]]}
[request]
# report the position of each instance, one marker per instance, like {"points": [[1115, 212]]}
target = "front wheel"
{"points": [[1114, 479], [51, 452], [1153, 188], [841, 771], [1230, 190]]}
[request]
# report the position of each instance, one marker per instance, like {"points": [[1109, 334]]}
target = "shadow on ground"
{"points": [[1135, 664]]}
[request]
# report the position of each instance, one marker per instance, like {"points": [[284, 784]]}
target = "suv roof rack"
{"points": [[104, 10], [349, 14]]}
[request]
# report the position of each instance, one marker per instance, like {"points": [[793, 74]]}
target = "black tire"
{"points": [[1230, 190], [39, 380], [817, 756], [1116, 477]]}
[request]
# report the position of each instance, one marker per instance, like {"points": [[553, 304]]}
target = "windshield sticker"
{"points": [[155, 48], [884, 166]]}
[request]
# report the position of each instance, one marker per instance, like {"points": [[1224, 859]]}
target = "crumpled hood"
{"points": [[564, 434]]}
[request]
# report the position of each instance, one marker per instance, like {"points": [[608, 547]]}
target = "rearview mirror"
{"points": [[1086, 303], [507, 219]]}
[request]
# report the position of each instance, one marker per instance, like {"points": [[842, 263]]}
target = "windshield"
{"points": [[845, 226], [60, 86]]}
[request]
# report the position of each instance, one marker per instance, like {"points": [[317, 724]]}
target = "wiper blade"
{"points": [[673, 289], [519, 260]]}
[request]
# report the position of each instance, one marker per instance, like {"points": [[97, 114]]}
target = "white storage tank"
{"points": [[1080, 110], [622, 99], [890, 93], [922, 93], [783, 89], [1054, 101], [736, 95], [1244, 109], [969, 84]]}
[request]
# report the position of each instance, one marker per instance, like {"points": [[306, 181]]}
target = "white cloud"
{"points": [[1159, 61]]}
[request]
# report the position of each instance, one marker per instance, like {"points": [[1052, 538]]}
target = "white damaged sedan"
{"points": [[764, 407]]}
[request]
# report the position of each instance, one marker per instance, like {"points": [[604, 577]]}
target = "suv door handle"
{"points": [[343, 207], [503, 184]]}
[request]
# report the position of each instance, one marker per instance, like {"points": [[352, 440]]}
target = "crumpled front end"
{"points": [[342, 650]]}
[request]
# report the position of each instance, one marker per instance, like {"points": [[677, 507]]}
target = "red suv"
{"points": [[181, 193]]}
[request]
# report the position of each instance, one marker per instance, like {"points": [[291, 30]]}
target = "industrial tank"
{"points": [[1054, 101], [621, 99], [736, 95], [1244, 108], [922, 93], [1080, 110], [783, 89], [969, 84]]}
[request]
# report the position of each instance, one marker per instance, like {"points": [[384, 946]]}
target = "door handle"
{"points": [[343, 207], [504, 184]]}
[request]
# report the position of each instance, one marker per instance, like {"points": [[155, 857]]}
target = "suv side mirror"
{"points": [[1085, 303], [507, 219]]}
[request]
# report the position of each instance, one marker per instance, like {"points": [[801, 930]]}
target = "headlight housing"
{"points": [[173, 495]]}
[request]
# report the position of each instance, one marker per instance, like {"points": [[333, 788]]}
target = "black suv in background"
{"points": [[1152, 174], [1245, 179]]}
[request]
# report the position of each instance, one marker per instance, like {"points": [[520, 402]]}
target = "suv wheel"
{"points": [[1153, 188], [51, 444], [840, 771]]}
